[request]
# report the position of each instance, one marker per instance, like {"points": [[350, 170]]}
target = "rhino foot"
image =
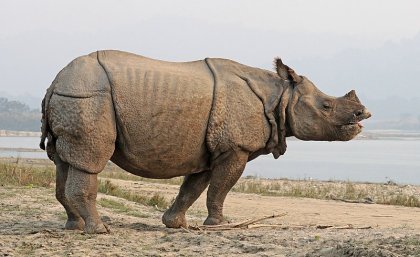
{"points": [[97, 229], [78, 224], [174, 220], [214, 221]]}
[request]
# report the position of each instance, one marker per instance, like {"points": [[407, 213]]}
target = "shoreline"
{"points": [[360, 161], [20, 149], [365, 135], [34, 162], [12, 133]]}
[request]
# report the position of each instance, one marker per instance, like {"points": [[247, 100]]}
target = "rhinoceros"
{"points": [[203, 120]]}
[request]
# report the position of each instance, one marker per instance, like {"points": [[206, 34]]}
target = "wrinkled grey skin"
{"points": [[203, 120]]}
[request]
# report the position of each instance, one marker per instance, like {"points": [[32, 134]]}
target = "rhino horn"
{"points": [[352, 96], [285, 72]]}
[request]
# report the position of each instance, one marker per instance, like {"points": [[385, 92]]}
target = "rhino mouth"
{"points": [[355, 123]]}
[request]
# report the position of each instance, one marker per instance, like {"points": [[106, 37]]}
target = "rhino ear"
{"points": [[282, 70], [296, 78], [285, 72], [352, 96]]}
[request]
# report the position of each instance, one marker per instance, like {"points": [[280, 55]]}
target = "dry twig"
{"points": [[365, 201], [349, 226], [248, 224], [241, 225]]}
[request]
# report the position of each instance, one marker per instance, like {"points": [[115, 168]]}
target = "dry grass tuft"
{"points": [[23, 175], [403, 195]]}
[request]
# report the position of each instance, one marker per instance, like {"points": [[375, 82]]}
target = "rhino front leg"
{"points": [[74, 221], [225, 174], [81, 191], [191, 189]]}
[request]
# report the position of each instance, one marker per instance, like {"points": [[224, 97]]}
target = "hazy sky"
{"points": [[38, 38], [367, 20]]}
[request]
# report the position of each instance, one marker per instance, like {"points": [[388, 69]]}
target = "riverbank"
{"points": [[32, 220], [11, 133], [375, 160], [365, 135]]}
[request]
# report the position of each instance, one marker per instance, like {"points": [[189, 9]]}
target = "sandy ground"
{"points": [[31, 223]]}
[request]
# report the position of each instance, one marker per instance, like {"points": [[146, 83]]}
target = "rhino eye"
{"points": [[327, 105]]}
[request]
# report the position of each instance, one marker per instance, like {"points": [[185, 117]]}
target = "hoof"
{"points": [[97, 229], [214, 221], [75, 224], [174, 220]]}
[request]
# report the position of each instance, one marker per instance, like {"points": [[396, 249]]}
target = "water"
{"points": [[357, 160], [21, 142]]}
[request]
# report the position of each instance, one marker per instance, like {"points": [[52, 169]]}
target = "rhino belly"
{"points": [[162, 110]]}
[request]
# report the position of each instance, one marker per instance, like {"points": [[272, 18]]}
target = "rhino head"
{"points": [[313, 115]]}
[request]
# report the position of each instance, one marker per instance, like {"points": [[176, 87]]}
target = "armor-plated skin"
{"points": [[203, 120]]}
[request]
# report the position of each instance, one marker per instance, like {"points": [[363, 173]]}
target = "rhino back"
{"points": [[162, 110], [82, 78]]}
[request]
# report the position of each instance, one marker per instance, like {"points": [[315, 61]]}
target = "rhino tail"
{"points": [[44, 129], [46, 132]]}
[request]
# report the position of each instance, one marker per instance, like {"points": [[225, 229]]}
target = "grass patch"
{"points": [[113, 172], [404, 200], [112, 204], [379, 193], [413, 241], [156, 199], [23, 175], [120, 207]]}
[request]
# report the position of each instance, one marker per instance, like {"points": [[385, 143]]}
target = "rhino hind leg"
{"points": [[81, 191], [74, 221], [225, 174], [190, 190]]}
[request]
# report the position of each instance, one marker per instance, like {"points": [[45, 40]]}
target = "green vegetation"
{"points": [[24, 175], [113, 172], [112, 204], [109, 188], [44, 176], [413, 241], [379, 193], [120, 207]]}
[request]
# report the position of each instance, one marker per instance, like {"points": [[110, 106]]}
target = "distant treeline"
{"points": [[15, 115]]}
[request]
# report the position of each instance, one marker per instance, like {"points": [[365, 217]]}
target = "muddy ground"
{"points": [[31, 223]]}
